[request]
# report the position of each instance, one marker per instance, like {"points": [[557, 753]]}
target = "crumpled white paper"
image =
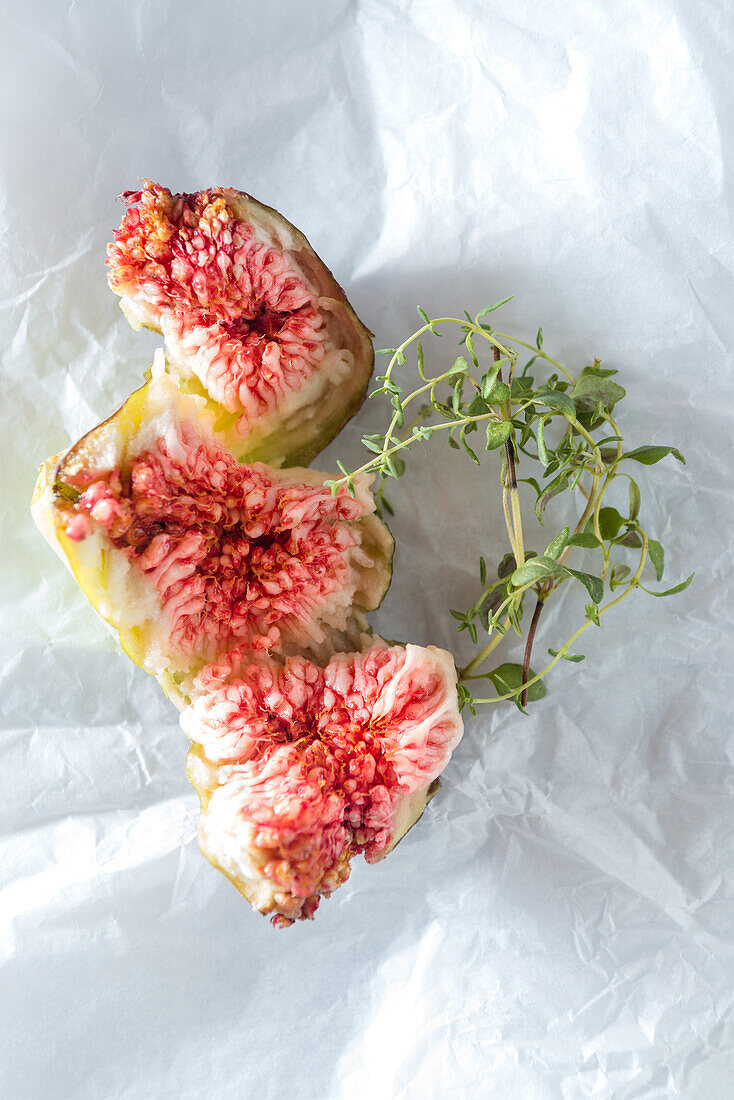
{"points": [[560, 922]]}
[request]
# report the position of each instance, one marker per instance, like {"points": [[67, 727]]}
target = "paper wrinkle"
{"points": [[559, 922]]}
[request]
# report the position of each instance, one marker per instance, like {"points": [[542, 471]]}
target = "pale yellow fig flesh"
{"points": [[300, 768], [252, 318], [345, 577]]}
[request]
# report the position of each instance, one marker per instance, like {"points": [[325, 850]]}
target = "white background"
{"points": [[560, 924]]}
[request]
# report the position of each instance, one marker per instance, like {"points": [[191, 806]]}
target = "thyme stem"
{"points": [[510, 495], [529, 650], [629, 586], [516, 414]]}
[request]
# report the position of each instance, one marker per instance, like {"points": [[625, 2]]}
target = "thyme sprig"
{"points": [[562, 424]]}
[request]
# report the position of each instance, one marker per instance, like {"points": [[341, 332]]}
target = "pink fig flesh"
{"points": [[300, 768]]}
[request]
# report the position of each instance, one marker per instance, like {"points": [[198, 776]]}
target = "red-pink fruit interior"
{"points": [[233, 307], [234, 556], [324, 757]]}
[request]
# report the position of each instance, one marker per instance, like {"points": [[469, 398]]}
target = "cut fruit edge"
{"points": [[275, 820], [298, 330], [214, 272], [122, 594]]}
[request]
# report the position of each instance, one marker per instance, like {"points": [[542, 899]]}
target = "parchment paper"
{"points": [[560, 923]]}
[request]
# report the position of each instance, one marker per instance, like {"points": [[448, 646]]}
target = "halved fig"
{"points": [[251, 317], [186, 552], [300, 768]]}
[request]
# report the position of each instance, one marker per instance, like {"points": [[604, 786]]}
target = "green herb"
{"points": [[520, 418]]}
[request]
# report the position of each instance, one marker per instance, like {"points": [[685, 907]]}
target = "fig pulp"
{"points": [[187, 553], [300, 768], [251, 317], [235, 582]]}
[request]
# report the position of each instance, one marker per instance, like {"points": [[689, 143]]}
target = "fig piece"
{"points": [[186, 552], [251, 317], [299, 768]]}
